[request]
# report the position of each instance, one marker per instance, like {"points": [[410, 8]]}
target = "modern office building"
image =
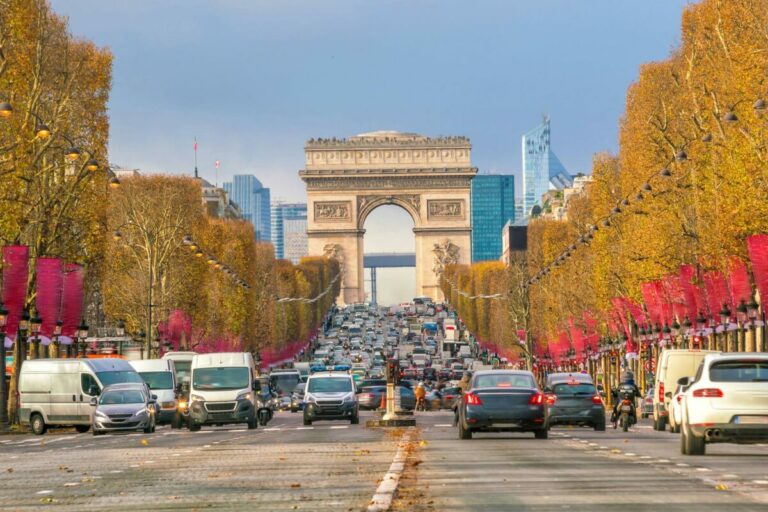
{"points": [[253, 199], [281, 212], [295, 241], [493, 205], [542, 170]]}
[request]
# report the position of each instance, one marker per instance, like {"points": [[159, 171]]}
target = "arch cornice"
{"points": [[409, 202]]}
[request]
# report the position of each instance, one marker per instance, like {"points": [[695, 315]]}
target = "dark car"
{"points": [[370, 397], [444, 374], [503, 401], [646, 409], [297, 397], [575, 402]]}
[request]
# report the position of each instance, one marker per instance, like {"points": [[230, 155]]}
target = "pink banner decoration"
{"points": [[72, 299], [652, 303], [738, 282], [674, 294], [757, 245], [48, 298], [687, 278], [717, 292], [15, 276], [592, 338]]}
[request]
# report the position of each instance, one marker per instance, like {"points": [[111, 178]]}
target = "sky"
{"points": [[253, 80]]}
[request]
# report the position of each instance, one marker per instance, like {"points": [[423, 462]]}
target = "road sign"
{"points": [[650, 365]]}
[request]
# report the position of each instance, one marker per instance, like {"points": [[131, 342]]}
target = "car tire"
{"points": [[37, 424], [355, 420], [660, 424], [97, 433], [600, 427], [82, 429], [690, 444], [464, 433], [176, 421], [307, 422], [253, 423], [541, 433], [194, 427]]}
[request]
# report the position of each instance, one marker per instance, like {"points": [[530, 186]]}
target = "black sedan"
{"points": [[503, 401], [370, 397]]}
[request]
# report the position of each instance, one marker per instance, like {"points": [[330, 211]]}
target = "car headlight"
{"points": [[101, 415], [349, 398], [196, 398], [245, 396], [309, 399], [141, 412]]}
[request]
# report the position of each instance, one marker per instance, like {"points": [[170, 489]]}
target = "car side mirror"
{"points": [[154, 397], [547, 389], [684, 381], [94, 401], [256, 385], [668, 394], [94, 390]]}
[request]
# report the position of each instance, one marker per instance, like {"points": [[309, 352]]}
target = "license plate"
{"points": [[752, 420], [626, 408]]}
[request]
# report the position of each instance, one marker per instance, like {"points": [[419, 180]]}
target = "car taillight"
{"points": [[551, 399], [679, 398], [597, 400], [536, 399], [472, 399], [661, 392], [708, 393]]}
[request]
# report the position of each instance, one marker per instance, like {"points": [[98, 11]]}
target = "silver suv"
{"points": [[330, 396]]}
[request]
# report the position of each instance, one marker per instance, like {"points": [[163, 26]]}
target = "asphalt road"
{"points": [[337, 466]]}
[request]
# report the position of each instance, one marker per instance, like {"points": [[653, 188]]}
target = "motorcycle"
{"points": [[625, 415]]}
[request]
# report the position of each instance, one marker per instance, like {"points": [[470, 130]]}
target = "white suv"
{"points": [[330, 396], [727, 402]]}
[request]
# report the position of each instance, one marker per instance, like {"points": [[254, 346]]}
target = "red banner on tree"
{"points": [[738, 282], [72, 299], [48, 297], [757, 246], [717, 292], [15, 276]]}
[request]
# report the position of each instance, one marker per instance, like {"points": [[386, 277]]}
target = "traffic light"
{"points": [[393, 371]]}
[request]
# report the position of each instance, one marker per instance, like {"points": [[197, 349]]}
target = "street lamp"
{"points": [[56, 334], [35, 323], [82, 334], [6, 110], [3, 388], [120, 331]]}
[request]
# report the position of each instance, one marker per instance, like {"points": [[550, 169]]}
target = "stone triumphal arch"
{"points": [[430, 178]]}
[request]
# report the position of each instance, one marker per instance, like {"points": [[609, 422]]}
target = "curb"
{"points": [[385, 493]]}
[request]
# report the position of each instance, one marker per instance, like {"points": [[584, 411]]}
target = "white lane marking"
{"points": [[204, 432], [238, 430], [71, 484], [663, 461], [630, 454], [730, 475], [683, 464], [115, 471], [645, 457], [761, 482], [5, 441], [382, 499], [703, 469], [305, 428], [272, 429], [44, 492], [339, 426], [206, 446], [176, 455], [443, 425]]}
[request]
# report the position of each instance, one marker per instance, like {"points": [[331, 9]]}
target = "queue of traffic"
{"points": [[706, 396]]}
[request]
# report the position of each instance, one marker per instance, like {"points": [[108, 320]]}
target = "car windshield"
{"points": [[109, 378], [739, 371], [127, 396], [330, 385], [220, 378], [575, 389], [504, 380], [183, 369], [284, 382], [158, 380]]}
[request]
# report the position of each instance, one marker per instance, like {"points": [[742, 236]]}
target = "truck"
{"points": [[449, 333]]}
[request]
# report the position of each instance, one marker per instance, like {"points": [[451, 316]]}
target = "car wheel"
{"points": [[37, 423], [82, 429], [542, 433], [690, 444], [600, 427], [176, 421], [307, 422], [97, 433], [194, 427], [253, 423], [355, 420], [464, 433], [661, 424]]}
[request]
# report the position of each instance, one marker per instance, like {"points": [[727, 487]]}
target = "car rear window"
{"points": [[576, 389], [739, 371], [504, 380]]}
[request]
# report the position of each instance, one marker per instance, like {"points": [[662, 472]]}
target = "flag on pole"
{"points": [[217, 164], [195, 144]]}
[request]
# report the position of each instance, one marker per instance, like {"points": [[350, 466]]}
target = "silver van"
{"points": [[58, 392], [160, 376]]}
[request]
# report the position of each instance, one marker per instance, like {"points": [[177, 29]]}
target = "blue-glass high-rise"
{"points": [[541, 167], [253, 199], [280, 213], [493, 205]]}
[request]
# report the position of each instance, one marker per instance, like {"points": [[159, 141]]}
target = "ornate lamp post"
{"points": [[3, 384], [753, 311], [82, 334], [35, 323], [120, 332], [56, 342], [725, 320], [21, 337]]}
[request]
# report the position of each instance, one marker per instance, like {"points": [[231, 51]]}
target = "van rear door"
{"points": [[65, 391]]}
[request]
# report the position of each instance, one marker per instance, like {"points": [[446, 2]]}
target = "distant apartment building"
{"points": [[493, 205], [554, 203], [514, 239], [253, 199], [217, 202], [294, 214], [542, 170]]}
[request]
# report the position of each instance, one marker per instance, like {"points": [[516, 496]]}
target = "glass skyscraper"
{"points": [[542, 169], [493, 205], [253, 199], [282, 212]]}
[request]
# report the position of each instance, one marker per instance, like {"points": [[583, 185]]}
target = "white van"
{"points": [[222, 390], [54, 392], [673, 365], [182, 364], [160, 377]]}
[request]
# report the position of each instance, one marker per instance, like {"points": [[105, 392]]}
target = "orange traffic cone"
{"points": [[383, 404]]}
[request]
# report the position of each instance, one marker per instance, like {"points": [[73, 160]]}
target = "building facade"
{"points": [[514, 240], [253, 199], [493, 205], [281, 212], [542, 170], [295, 242]]}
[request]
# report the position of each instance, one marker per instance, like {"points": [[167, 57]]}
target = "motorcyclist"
{"points": [[464, 385], [627, 390]]}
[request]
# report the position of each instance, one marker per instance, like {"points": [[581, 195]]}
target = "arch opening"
{"points": [[389, 231]]}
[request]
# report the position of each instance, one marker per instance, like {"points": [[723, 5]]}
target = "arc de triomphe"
{"points": [[429, 178]]}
